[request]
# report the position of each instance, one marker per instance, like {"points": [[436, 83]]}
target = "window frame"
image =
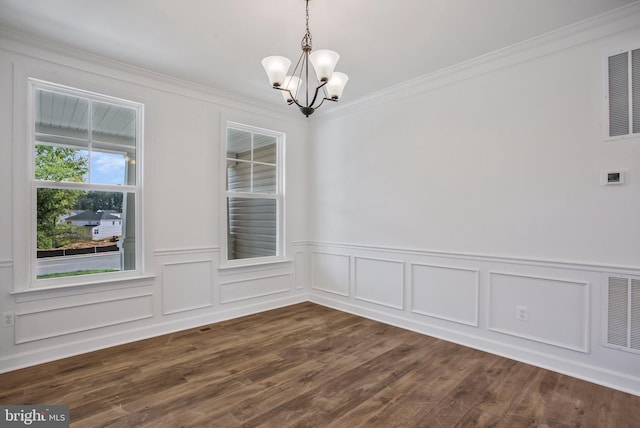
{"points": [[33, 85], [278, 196]]}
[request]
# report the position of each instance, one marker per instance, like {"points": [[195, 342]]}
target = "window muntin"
{"points": [[253, 193], [85, 182]]}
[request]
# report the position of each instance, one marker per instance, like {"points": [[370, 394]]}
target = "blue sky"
{"points": [[107, 168]]}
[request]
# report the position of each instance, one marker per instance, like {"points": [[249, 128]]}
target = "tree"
{"points": [[94, 201], [56, 164]]}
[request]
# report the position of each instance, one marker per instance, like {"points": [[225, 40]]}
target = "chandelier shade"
{"points": [[276, 68], [291, 88], [327, 85], [324, 62], [336, 85]]}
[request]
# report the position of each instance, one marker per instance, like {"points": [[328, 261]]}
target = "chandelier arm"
{"points": [[318, 106], [292, 99], [315, 96]]}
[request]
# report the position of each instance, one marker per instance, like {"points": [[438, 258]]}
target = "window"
{"points": [[623, 86], [253, 194], [86, 176]]}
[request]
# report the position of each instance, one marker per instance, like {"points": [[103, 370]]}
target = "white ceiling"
{"points": [[220, 43]]}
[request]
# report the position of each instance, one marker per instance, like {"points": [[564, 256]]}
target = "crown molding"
{"points": [[600, 26], [31, 46], [589, 30]]}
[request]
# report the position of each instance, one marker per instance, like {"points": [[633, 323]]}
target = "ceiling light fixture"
{"points": [[324, 62]]}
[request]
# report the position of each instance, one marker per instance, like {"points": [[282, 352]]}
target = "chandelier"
{"points": [[328, 84]]}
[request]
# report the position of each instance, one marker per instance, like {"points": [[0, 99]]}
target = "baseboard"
{"points": [[69, 349], [608, 378]]}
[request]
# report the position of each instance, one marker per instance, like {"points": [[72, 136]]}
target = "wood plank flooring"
{"points": [[310, 366]]}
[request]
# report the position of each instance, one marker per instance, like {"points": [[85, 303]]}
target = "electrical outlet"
{"points": [[522, 313], [8, 319]]}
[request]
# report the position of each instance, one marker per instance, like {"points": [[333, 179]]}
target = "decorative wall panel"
{"points": [[187, 285], [444, 292], [379, 281], [44, 324], [548, 310], [330, 273], [301, 269], [243, 289]]}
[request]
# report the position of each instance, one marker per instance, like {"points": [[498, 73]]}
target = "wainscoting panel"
{"points": [[49, 323], [379, 281], [186, 286], [330, 273], [300, 269], [547, 310], [243, 289], [449, 293], [477, 300]]}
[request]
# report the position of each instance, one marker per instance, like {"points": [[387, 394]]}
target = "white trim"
{"points": [[476, 317], [612, 379], [82, 328], [304, 268], [377, 302], [257, 278], [83, 344], [190, 308], [279, 196], [313, 276], [591, 29], [31, 46], [586, 319], [184, 251], [558, 264], [253, 267], [32, 85], [52, 292]]}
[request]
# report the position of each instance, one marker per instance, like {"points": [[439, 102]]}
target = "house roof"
{"points": [[93, 216]]}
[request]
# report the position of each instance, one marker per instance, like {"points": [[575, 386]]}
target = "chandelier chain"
{"points": [[306, 40]]}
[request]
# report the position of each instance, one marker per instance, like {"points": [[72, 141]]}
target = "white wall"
{"points": [[440, 206], [181, 286], [445, 203]]}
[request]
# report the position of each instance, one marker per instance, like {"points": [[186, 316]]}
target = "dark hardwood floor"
{"points": [[310, 366]]}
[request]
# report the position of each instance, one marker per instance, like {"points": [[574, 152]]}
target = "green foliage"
{"points": [[94, 201], [56, 164], [60, 164]]}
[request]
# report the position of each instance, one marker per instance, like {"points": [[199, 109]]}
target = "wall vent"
{"points": [[623, 94], [623, 312]]}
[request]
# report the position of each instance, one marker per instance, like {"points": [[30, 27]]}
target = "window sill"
{"points": [[58, 290], [247, 267]]}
